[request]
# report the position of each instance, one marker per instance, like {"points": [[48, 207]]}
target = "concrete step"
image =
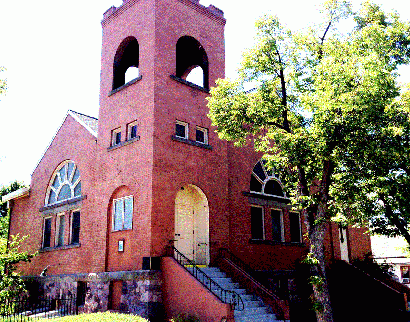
{"points": [[252, 311], [257, 318]]}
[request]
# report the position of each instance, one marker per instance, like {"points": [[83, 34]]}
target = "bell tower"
{"points": [[154, 135]]}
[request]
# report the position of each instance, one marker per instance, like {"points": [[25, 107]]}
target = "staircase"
{"points": [[254, 309]]}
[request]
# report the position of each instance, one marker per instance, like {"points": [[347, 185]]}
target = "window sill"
{"points": [[190, 142], [272, 242], [50, 249], [192, 85], [137, 138], [125, 85], [63, 203], [117, 231], [254, 197]]}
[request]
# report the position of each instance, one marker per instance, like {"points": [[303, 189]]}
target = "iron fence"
{"points": [[28, 309]]}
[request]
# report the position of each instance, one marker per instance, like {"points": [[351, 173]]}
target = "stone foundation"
{"points": [[141, 291]]}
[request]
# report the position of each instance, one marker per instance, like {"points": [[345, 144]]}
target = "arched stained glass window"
{"points": [[65, 184], [265, 181]]}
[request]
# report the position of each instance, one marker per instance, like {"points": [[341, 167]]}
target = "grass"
{"points": [[100, 317]]}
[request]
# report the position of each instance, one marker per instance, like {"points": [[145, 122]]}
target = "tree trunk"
{"points": [[321, 294]]}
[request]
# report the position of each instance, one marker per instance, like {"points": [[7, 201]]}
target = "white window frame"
{"points": [[300, 226], [263, 222], [71, 224], [129, 127], [57, 230], [282, 228], [203, 130], [113, 213], [44, 230], [114, 136], [186, 125]]}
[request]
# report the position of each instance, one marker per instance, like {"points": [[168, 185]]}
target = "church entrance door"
{"points": [[192, 224]]}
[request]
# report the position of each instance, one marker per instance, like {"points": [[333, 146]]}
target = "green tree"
{"points": [[11, 285], [319, 97], [4, 214], [379, 186]]}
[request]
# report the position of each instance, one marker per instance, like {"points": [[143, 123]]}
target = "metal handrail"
{"points": [[225, 253], [226, 296]]}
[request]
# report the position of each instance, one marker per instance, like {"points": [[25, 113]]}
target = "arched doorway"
{"points": [[192, 224]]}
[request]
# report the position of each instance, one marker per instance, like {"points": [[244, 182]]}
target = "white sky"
{"points": [[51, 50]]}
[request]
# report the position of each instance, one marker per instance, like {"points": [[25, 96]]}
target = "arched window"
{"points": [[126, 62], [265, 181], [65, 183], [192, 58]]}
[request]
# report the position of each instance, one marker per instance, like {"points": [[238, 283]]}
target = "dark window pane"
{"points": [[257, 222], [75, 228], [276, 225], [61, 228], [255, 184], [118, 138], [258, 170], [133, 132], [65, 193], [294, 227], [272, 187], [180, 130], [200, 136], [47, 233]]}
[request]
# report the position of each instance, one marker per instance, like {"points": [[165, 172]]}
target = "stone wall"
{"points": [[141, 291]]}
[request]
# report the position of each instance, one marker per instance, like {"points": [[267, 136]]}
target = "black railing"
{"points": [[226, 296], [27, 309], [225, 253]]}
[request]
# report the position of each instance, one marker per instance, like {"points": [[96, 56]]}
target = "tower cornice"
{"points": [[211, 11]]}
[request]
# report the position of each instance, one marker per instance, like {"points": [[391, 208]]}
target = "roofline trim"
{"points": [[69, 112], [20, 193], [72, 113]]}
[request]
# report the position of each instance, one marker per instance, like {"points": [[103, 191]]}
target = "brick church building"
{"points": [[111, 195]]}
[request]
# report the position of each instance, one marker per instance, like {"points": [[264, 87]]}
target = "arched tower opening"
{"points": [[126, 62], [192, 61]]}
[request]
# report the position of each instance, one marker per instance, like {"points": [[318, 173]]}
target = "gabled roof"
{"points": [[89, 122]]}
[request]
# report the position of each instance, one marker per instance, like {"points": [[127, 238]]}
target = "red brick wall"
{"points": [[177, 164], [183, 294], [72, 142]]}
